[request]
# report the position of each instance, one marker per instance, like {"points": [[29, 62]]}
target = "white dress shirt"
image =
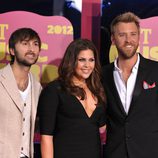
{"points": [[125, 91]]}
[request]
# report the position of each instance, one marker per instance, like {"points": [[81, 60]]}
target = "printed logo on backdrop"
{"points": [[148, 46], [56, 32]]}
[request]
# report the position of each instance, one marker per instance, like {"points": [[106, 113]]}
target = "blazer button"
{"points": [[128, 137]]}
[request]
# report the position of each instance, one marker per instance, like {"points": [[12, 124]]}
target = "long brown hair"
{"points": [[67, 70]]}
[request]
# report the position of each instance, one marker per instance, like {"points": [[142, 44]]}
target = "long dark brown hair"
{"points": [[67, 70]]}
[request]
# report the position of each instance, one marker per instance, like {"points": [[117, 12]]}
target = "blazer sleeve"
{"points": [[102, 119], [47, 109]]}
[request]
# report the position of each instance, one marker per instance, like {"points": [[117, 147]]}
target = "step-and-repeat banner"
{"points": [[56, 32]]}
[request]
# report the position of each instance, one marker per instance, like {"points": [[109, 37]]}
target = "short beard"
{"points": [[126, 55], [23, 61]]}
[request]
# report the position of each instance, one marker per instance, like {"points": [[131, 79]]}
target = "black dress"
{"points": [[75, 134]]}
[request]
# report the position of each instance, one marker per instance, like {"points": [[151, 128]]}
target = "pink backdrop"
{"points": [[56, 33]]}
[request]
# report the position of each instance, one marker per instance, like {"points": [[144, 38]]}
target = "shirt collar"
{"points": [[135, 67]]}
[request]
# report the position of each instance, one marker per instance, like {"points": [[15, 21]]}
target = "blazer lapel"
{"points": [[9, 83], [35, 92], [142, 72], [33, 98], [113, 89]]}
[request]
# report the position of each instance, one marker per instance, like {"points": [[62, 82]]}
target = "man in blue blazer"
{"points": [[131, 86]]}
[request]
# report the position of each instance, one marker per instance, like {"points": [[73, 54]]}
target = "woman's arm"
{"points": [[47, 150]]}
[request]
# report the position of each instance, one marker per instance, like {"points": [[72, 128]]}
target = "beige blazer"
{"points": [[11, 108]]}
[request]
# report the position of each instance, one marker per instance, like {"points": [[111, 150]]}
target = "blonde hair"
{"points": [[127, 17]]}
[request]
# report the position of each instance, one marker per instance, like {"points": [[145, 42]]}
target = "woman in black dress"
{"points": [[72, 108]]}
